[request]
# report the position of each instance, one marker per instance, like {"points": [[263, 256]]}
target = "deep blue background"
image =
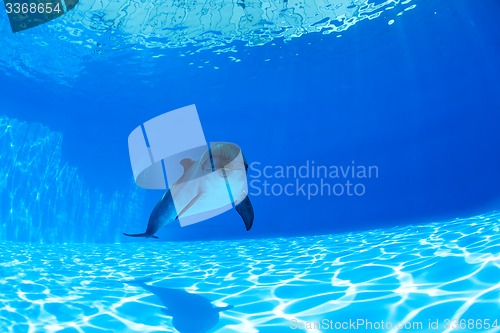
{"points": [[419, 98]]}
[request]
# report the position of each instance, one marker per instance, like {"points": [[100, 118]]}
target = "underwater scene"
{"points": [[249, 166]]}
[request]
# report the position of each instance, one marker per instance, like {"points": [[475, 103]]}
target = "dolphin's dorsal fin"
{"points": [[187, 163]]}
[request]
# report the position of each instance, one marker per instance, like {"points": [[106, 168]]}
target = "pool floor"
{"points": [[439, 277]]}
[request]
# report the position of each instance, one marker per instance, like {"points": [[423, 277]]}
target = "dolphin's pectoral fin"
{"points": [[223, 308], [191, 203], [245, 209], [154, 236]]}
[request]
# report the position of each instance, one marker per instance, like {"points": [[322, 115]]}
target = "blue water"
{"points": [[399, 99]]}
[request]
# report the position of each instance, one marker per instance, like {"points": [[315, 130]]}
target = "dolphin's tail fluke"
{"points": [[141, 235]]}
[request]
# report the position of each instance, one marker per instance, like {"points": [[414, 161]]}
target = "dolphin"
{"points": [[190, 313], [200, 186]]}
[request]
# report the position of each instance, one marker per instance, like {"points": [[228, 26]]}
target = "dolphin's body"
{"points": [[190, 313], [199, 188]]}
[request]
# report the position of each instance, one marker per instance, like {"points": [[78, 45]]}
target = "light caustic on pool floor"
{"points": [[413, 275]]}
